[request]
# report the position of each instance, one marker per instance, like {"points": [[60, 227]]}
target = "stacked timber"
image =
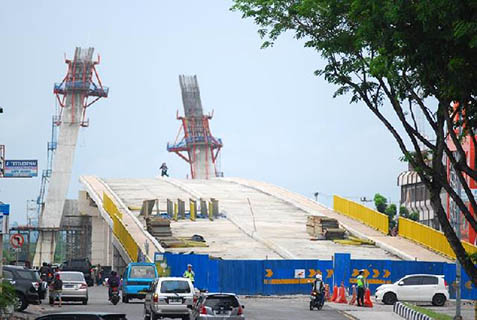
{"points": [[158, 227], [321, 228]]}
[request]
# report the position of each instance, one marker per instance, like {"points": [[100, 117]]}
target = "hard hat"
{"points": [[189, 265], [318, 276]]}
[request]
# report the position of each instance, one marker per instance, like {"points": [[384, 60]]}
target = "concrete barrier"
{"points": [[407, 313]]}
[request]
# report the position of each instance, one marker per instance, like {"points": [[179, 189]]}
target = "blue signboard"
{"points": [[4, 209], [21, 168]]}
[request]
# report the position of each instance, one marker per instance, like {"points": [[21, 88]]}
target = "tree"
{"points": [[380, 202], [403, 212], [414, 216], [405, 56]]}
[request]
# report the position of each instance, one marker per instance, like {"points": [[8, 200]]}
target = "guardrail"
{"points": [[407, 313], [361, 213], [119, 229], [429, 237]]}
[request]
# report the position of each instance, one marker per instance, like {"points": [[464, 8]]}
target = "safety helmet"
{"points": [[319, 277], [189, 265]]}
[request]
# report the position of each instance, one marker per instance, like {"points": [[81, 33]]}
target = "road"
{"points": [[256, 308]]}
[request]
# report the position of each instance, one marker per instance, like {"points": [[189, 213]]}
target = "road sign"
{"points": [[5, 209], [17, 240], [21, 168]]}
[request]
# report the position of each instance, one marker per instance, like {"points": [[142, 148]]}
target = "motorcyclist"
{"points": [[319, 288], [113, 282], [46, 273]]}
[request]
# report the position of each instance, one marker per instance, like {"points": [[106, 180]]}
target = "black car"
{"points": [[81, 265], [26, 283], [83, 316]]}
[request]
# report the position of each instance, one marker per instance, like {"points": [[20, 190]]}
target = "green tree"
{"points": [[414, 216], [380, 202], [403, 212], [397, 57]]}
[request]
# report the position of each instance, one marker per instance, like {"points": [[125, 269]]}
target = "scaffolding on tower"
{"points": [[194, 142]]}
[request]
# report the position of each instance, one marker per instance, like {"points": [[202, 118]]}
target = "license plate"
{"points": [[69, 286], [175, 301]]}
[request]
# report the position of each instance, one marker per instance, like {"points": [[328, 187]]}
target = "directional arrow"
{"points": [[329, 273], [355, 273], [269, 273], [375, 273], [468, 285], [387, 273], [313, 273], [366, 273]]}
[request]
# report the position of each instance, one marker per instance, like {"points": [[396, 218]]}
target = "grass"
{"points": [[430, 313]]}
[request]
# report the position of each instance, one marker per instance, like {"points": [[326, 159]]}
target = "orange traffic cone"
{"points": [[327, 292], [335, 294], [353, 298], [367, 299], [342, 295]]}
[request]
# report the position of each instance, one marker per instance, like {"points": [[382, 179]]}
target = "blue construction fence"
{"points": [[281, 277]]}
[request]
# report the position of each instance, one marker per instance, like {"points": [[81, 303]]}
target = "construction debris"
{"points": [[158, 227], [322, 228], [355, 241]]}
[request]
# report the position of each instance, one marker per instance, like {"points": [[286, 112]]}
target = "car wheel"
{"points": [[85, 301], [20, 302], [389, 298], [125, 298], [439, 300]]}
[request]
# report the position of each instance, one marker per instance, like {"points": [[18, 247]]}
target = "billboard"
{"points": [[21, 168]]}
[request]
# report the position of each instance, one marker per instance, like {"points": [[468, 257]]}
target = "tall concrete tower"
{"points": [[72, 94], [197, 146]]}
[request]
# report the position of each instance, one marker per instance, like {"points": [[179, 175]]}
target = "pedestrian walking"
{"points": [[361, 283]]}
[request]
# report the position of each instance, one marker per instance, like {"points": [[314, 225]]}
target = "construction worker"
{"points": [[164, 170], [361, 283], [189, 273]]}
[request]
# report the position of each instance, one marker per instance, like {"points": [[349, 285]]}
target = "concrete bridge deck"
{"points": [[275, 230]]}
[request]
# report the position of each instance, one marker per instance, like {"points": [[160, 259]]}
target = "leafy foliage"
{"points": [[8, 296], [380, 202]]}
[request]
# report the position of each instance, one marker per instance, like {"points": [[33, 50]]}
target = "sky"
{"points": [[279, 123]]}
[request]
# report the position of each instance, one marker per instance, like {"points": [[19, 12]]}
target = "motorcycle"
{"points": [[316, 300], [114, 295]]}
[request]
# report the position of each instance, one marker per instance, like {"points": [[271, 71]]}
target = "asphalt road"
{"points": [[256, 308]]}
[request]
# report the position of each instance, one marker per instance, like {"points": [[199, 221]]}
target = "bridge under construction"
{"points": [[231, 218]]}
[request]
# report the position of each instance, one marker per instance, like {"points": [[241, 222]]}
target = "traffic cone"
{"points": [[335, 294], [353, 298], [342, 295], [367, 298], [327, 292]]}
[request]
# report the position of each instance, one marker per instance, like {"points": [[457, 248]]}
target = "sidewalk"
{"points": [[378, 312]]}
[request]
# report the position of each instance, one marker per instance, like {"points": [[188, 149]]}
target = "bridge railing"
{"points": [[119, 229], [361, 213], [429, 237]]}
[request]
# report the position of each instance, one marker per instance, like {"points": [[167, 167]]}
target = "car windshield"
{"points": [[142, 272], [28, 274], [216, 302], [71, 276], [175, 286]]}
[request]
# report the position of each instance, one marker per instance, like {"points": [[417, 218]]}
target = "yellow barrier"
{"points": [[361, 213], [429, 237], [119, 229]]}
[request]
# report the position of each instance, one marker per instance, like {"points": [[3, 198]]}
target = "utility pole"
{"points": [[316, 194], [458, 269]]}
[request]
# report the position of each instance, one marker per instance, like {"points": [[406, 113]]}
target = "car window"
{"points": [[412, 281], [142, 272], [175, 286], [72, 277], [430, 280], [28, 274], [7, 274], [221, 301]]}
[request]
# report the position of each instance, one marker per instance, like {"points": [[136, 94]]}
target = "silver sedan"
{"points": [[75, 287]]}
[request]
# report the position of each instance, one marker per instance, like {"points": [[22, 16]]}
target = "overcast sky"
{"points": [[279, 123]]}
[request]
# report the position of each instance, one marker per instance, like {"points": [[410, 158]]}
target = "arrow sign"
{"points": [[375, 273], [329, 273], [313, 272], [269, 273], [387, 273], [356, 273], [468, 285]]}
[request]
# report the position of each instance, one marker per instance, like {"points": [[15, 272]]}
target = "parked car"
{"points": [[417, 288], [83, 316], [26, 283], [75, 287], [81, 265], [217, 306], [136, 278], [169, 297], [21, 263]]}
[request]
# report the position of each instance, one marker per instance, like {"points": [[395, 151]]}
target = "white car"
{"points": [[416, 288], [169, 297]]}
